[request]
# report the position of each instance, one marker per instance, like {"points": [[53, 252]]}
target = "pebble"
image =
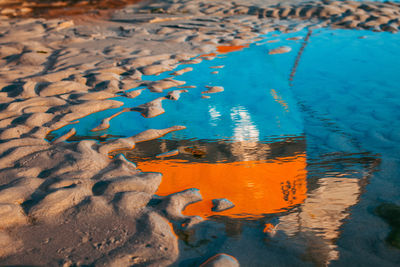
{"points": [[221, 204]]}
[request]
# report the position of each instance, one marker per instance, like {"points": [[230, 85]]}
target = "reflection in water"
{"points": [[254, 177], [214, 115], [256, 188], [308, 199], [320, 216], [322, 213], [290, 199], [279, 99], [245, 129], [230, 48]]}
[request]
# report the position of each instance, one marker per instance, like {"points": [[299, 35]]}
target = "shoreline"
{"points": [[72, 200]]}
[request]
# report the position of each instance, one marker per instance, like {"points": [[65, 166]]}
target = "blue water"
{"points": [[357, 91], [348, 90], [344, 100], [248, 109]]}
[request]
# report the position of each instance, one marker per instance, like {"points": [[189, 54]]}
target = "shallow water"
{"points": [[304, 161]]}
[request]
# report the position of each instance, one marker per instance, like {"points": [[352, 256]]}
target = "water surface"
{"points": [[304, 161]]}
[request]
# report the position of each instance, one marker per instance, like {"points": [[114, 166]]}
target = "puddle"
{"points": [[231, 115], [305, 144], [257, 146]]}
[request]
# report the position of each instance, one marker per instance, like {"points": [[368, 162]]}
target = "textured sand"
{"points": [[72, 203]]}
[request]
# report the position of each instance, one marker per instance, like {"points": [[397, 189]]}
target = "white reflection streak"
{"points": [[214, 115], [244, 130]]}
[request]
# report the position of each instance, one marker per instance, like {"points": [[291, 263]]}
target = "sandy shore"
{"points": [[71, 203]]}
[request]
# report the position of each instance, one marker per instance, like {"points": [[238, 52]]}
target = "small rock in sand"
{"points": [[221, 204]]}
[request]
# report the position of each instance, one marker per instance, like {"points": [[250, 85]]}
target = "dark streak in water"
{"points": [[296, 62]]}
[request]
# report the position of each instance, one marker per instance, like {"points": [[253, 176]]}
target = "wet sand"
{"points": [[79, 203], [63, 8]]}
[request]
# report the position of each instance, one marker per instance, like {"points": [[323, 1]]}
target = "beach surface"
{"points": [[82, 202]]}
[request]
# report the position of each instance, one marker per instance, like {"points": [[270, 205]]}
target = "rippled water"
{"points": [[304, 161]]}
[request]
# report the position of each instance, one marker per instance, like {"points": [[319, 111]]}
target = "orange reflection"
{"points": [[223, 49], [230, 48], [268, 228], [209, 55], [279, 99], [255, 187]]}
